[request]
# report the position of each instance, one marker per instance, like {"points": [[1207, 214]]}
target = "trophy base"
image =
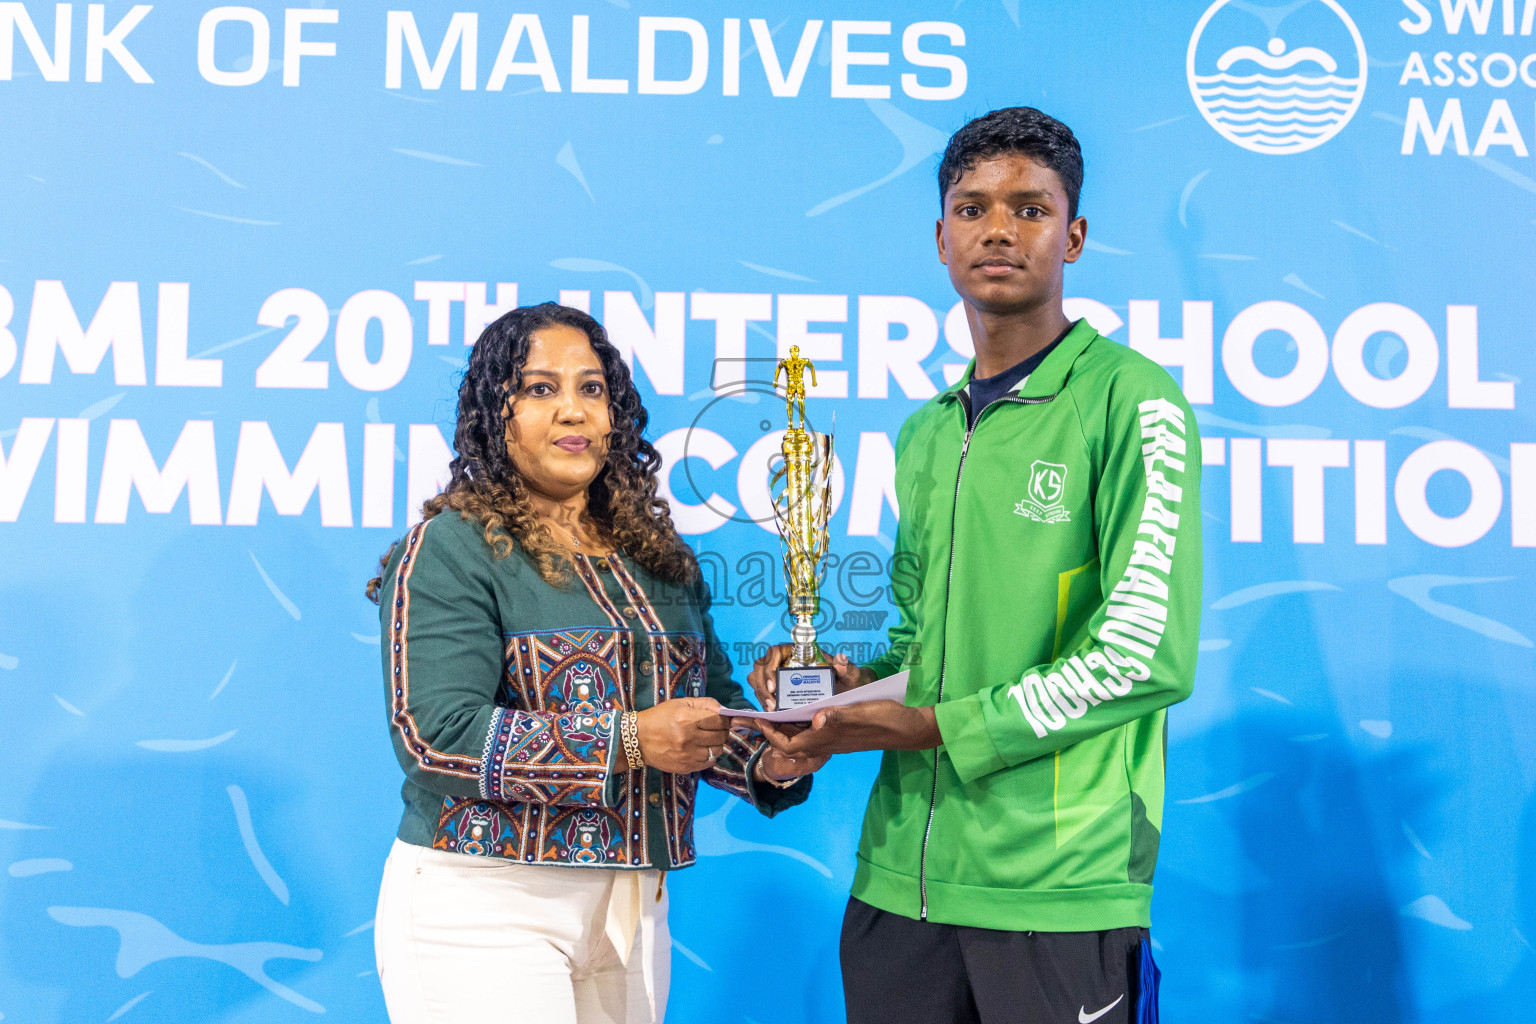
{"points": [[797, 687]]}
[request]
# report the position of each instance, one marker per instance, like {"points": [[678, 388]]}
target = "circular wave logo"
{"points": [[1276, 80]]}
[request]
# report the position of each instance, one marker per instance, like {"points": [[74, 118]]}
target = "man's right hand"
{"points": [[847, 675], [683, 735]]}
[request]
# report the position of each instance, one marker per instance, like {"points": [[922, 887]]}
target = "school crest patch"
{"points": [[1045, 502]]}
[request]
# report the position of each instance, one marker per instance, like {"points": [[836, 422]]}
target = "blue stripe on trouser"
{"points": [[1146, 988]]}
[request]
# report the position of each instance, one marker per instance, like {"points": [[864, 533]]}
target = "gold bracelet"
{"points": [[629, 732], [777, 784]]}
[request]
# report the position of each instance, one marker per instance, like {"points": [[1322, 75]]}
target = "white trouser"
{"points": [[461, 938]]}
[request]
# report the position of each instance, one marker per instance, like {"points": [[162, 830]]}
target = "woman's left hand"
{"points": [[778, 766]]}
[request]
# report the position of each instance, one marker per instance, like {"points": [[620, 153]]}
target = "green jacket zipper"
{"points": [[933, 797]]}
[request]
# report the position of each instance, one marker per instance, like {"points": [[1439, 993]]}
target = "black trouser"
{"points": [[900, 971]]}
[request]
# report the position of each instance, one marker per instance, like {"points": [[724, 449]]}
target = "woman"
{"points": [[553, 683]]}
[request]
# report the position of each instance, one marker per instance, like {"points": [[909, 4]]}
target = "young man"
{"points": [[1052, 501]]}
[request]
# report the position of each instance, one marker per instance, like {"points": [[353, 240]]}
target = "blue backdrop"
{"points": [[241, 251]]}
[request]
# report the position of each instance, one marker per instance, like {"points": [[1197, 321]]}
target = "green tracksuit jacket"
{"points": [[1058, 548]]}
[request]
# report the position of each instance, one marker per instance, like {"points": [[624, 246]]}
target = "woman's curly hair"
{"points": [[485, 486]]}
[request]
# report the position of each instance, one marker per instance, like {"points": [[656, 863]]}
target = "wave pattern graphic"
{"points": [[1417, 589], [712, 834], [1277, 113], [144, 941]]}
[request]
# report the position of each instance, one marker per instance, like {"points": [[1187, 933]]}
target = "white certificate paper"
{"points": [[890, 688]]}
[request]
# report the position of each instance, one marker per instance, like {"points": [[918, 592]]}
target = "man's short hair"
{"points": [[1022, 130]]}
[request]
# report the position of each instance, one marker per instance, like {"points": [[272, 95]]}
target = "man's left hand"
{"points": [[871, 725]]}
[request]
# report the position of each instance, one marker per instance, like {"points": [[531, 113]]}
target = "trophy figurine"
{"points": [[802, 500]]}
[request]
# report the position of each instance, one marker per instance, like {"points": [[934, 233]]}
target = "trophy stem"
{"points": [[803, 650]]}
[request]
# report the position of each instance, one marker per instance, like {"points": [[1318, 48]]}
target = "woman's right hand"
{"points": [[682, 735], [846, 674]]}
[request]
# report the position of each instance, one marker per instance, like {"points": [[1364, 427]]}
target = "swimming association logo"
{"points": [[1276, 79]]}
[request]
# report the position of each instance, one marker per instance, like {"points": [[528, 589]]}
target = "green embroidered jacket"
{"points": [[503, 695]]}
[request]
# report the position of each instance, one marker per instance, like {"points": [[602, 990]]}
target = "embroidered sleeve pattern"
{"points": [[729, 772], [554, 743], [550, 760], [402, 713]]}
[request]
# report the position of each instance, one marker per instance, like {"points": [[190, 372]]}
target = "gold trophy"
{"points": [[802, 501]]}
